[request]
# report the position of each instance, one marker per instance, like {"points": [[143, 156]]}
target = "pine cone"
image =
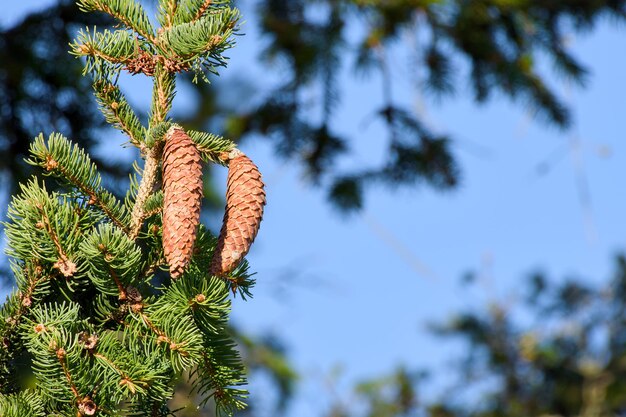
{"points": [[245, 199], [182, 195]]}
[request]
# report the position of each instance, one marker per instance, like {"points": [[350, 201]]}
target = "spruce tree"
{"points": [[115, 300]]}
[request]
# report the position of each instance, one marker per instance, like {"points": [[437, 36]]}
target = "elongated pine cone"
{"points": [[182, 196], [245, 198]]}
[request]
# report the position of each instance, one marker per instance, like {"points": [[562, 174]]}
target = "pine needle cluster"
{"points": [[95, 320]]}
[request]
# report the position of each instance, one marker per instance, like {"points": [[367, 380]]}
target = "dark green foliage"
{"points": [[347, 194]]}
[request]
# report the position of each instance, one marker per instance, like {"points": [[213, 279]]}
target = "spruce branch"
{"points": [[59, 157], [64, 264], [156, 133], [220, 371], [192, 10], [212, 146], [118, 112], [180, 337], [127, 373], [49, 333], [24, 403], [61, 354], [46, 229], [200, 43], [162, 95], [221, 374], [188, 40], [146, 187], [106, 52], [111, 260], [167, 11], [201, 8], [33, 285], [129, 12], [154, 204]]}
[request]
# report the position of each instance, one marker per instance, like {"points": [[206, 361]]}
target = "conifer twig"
{"points": [[60, 354], [25, 300], [141, 26], [64, 264], [148, 181], [122, 296], [118, 112], [202, 9], [125, 379], [94, 199], [162, 96], [61, 158], [171, 7], [163, 337]]}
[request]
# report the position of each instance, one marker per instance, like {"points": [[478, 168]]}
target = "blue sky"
{"points": [[358, 292]]}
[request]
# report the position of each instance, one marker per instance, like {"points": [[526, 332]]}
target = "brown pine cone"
{"points": [[245, 199], [182, 195]]}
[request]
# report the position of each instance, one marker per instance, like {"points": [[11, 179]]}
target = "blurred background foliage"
{"points": [[568, 360]]}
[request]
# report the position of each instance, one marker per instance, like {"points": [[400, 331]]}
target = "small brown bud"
{"points": [[40, 225], [133, 294], [66, 267], [87, 407], [27, 301], [89, 341], [115, 105], [52, 346], [200, 298], [131, 386], [39, 328], [215, 40], [51, 163], [61, 353]]}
